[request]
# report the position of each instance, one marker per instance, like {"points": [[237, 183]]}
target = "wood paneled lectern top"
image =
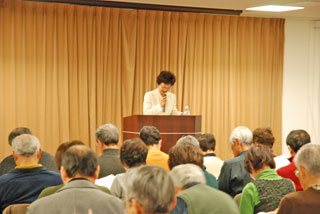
{"points": [[171, 127]]}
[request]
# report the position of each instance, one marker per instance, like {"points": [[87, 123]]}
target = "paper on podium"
{"points": [[281, 161], [105, 181]]}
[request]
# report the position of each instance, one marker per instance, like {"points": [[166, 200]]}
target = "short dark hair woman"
{"points": [[160, 101], [183, 153], [133, 153]]}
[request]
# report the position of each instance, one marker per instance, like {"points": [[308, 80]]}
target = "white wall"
{"points": [[301, 88]]}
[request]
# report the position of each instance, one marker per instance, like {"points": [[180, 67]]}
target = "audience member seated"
{"points": [[28, 179], [233, 177], [210, 160], [79, 194], [150, 135], [8, 162], [189, 139], [133, 153], [107, 137], [186, 152], [193, 196], [307, 201], [58, 157], [263, 136], [263, 194], [149, 190], [295, 140]]}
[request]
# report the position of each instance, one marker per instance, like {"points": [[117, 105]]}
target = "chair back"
{"points": [[237, 199], [16, 209]]}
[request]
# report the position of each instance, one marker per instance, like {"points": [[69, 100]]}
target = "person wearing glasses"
{"points": [[307, 161], [160, 101], [150, 189]]}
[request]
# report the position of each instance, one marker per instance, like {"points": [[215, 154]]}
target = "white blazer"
{"points": [[151, 104]]}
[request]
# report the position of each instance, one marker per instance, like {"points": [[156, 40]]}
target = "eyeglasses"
{"points": [[128, 202], [125, 202], [296, 172], [165, 87]]}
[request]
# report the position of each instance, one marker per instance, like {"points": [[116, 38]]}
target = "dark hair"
{"points": [[149, 135], [258, 156], [263, 136], [80, 160], [207, 142], [297, 138], [17, 132], [166, 77], [63, 148], [133, 152], [183, 153]]}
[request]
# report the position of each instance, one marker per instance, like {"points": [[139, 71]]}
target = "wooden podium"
{"points": [[171, 127]]}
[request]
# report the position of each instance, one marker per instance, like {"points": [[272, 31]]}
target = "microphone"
{"points": [[164, 107]]}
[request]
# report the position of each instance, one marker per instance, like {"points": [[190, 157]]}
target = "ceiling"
{"points": [[311, 11]]}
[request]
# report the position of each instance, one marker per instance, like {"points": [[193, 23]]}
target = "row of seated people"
{"points": [[196, 190]]}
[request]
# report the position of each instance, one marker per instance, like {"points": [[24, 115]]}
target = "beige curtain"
{"points": [[67, 69]]}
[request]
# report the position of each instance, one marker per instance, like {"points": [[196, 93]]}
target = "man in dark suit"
{"points": [[79, 195], [8, 163], [233, 176], [107, 137]]}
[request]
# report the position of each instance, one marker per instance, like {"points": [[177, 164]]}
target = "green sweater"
{"points": [[250, 197], [202, 199]]}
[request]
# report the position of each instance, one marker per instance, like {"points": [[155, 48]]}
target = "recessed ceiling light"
{"points": [[275, 8]]}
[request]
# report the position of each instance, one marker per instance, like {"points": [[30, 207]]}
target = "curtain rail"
{"points": [[130, 5]]}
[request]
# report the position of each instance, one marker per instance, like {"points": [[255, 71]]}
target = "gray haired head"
{"points": [[107, 134], [26, 145], [152, 187], [185, 174], [189, 139], [308, 157], [243, 134]]}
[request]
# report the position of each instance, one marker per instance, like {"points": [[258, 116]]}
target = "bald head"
{"points": [[189, 139], [79, 160]]}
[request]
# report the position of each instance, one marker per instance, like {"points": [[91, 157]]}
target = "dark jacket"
{"points": [[110, 163], [23, 185], [233, 177]]}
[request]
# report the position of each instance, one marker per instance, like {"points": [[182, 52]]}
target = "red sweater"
{"points": [[288, 172]]}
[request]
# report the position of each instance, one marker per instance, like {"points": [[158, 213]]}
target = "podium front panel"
{"points": [[171, 127]]}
